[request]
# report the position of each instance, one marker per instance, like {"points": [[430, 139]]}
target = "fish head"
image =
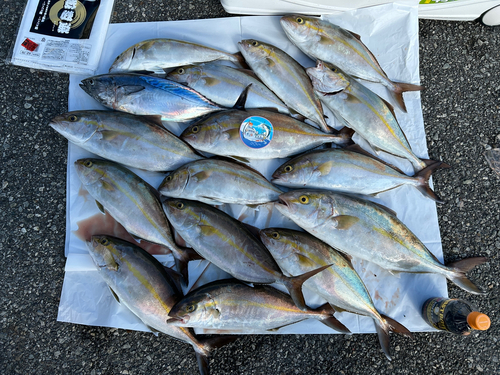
{"points": [[297, 171], [202, 134], [89, 170], [104, 253], [307, 207], [174, 183], [277, 242], [77, 126], [300, 29], [188, 74], [102, 88], [183, 214], [197, 309], [253, 50], [327, 79], [123, 62]]}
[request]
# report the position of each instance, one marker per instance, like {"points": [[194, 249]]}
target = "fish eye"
{"points": [[180, 70], [88, 163], [195, 129], [288, 168], [73, 118], [304, 199], [168, 178], [255, 43], [104, 241], [299, 20], [191, 308], [179, 205], [91, 82], [275, 235]]}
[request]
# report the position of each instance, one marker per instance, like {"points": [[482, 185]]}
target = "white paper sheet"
{"points": [[391, 32]]}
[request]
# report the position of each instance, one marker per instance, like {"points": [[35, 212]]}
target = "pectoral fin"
{"points": [[325, 168], [100, 207], [200, 176], [345, 221], [129, 90], [231, 134], [114, 294]]}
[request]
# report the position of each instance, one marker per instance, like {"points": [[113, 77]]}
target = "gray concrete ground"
{"points": [[461, 105]]}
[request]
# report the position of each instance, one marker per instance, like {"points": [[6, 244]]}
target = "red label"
{"points": [[29, 45]]}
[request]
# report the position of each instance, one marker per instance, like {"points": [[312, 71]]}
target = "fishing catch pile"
{"points": [[266, 106]]}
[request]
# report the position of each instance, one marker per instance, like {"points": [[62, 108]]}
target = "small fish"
{"points": [[232, 305], [230, 245], [349, 172], [148, 95], [136, 141], [322, 40], [285, 77], [132, 202], [141, 283], [223, 85], [369, 231], [219, 134], [214, 181], [340, 285], [155, 55], [363, 111]]}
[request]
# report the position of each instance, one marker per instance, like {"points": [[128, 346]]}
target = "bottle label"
{"points": [[433, 312], [256, 132]]}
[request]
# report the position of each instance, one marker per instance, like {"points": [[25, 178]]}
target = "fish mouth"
{"points": [[178, 320]]}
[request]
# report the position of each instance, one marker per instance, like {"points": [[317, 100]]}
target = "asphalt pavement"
{"points": [[459, 66]]}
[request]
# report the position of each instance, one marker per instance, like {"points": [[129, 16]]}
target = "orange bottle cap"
{"points": [[478, 321]]}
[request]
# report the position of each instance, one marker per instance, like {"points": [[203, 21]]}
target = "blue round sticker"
{"points": [[256, 132]]}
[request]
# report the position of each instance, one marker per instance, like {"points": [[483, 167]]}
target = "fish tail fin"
{"points": [[383, 327], [461, 267], [239, 61], [205, 347], [423, 177], [399, 88], [343, 137], [329, 320], [294, 286], [182, 258]]}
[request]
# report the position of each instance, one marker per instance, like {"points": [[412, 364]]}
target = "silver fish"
{"points": [[148, 95], [232, 305], [215, 181], [322, 40], [136, 141], [285, 77], [340, 285], [220, 134], [350, 172], [363, 111], [230, 245], [368, 231], [132, 202], [158, 54], [139, 282], [223, 85]]}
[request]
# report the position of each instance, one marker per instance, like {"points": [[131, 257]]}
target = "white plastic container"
{"points": [[456, 10]]}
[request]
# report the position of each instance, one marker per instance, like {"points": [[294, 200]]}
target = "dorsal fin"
{"points": [[357, 149], [240, 103], [154, 119], [239, 163], [385, 208]]}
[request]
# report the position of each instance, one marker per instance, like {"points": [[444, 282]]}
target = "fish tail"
{"points": [[294, 286], [383, 327], [423, 178], [239, 60], [329, 320], [205, 347], [397, 90], [343, 137], [461, 267], [182, 258]]}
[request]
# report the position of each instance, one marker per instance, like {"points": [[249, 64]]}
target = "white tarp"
{"points": [[391, 32]]}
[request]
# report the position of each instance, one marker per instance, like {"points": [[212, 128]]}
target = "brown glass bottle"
{"points": [[454, 315]]}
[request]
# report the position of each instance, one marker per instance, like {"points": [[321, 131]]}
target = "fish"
{"points": [[148, 95], [285, 77], [156, 55], [349, 172], [325, 41], [233, 305], [363, 111], [230, 245], [369, 231], [215, 181], [340, 285], [223, 84], [135, 141], [140, 282], [133, 203], [219, 134]]}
